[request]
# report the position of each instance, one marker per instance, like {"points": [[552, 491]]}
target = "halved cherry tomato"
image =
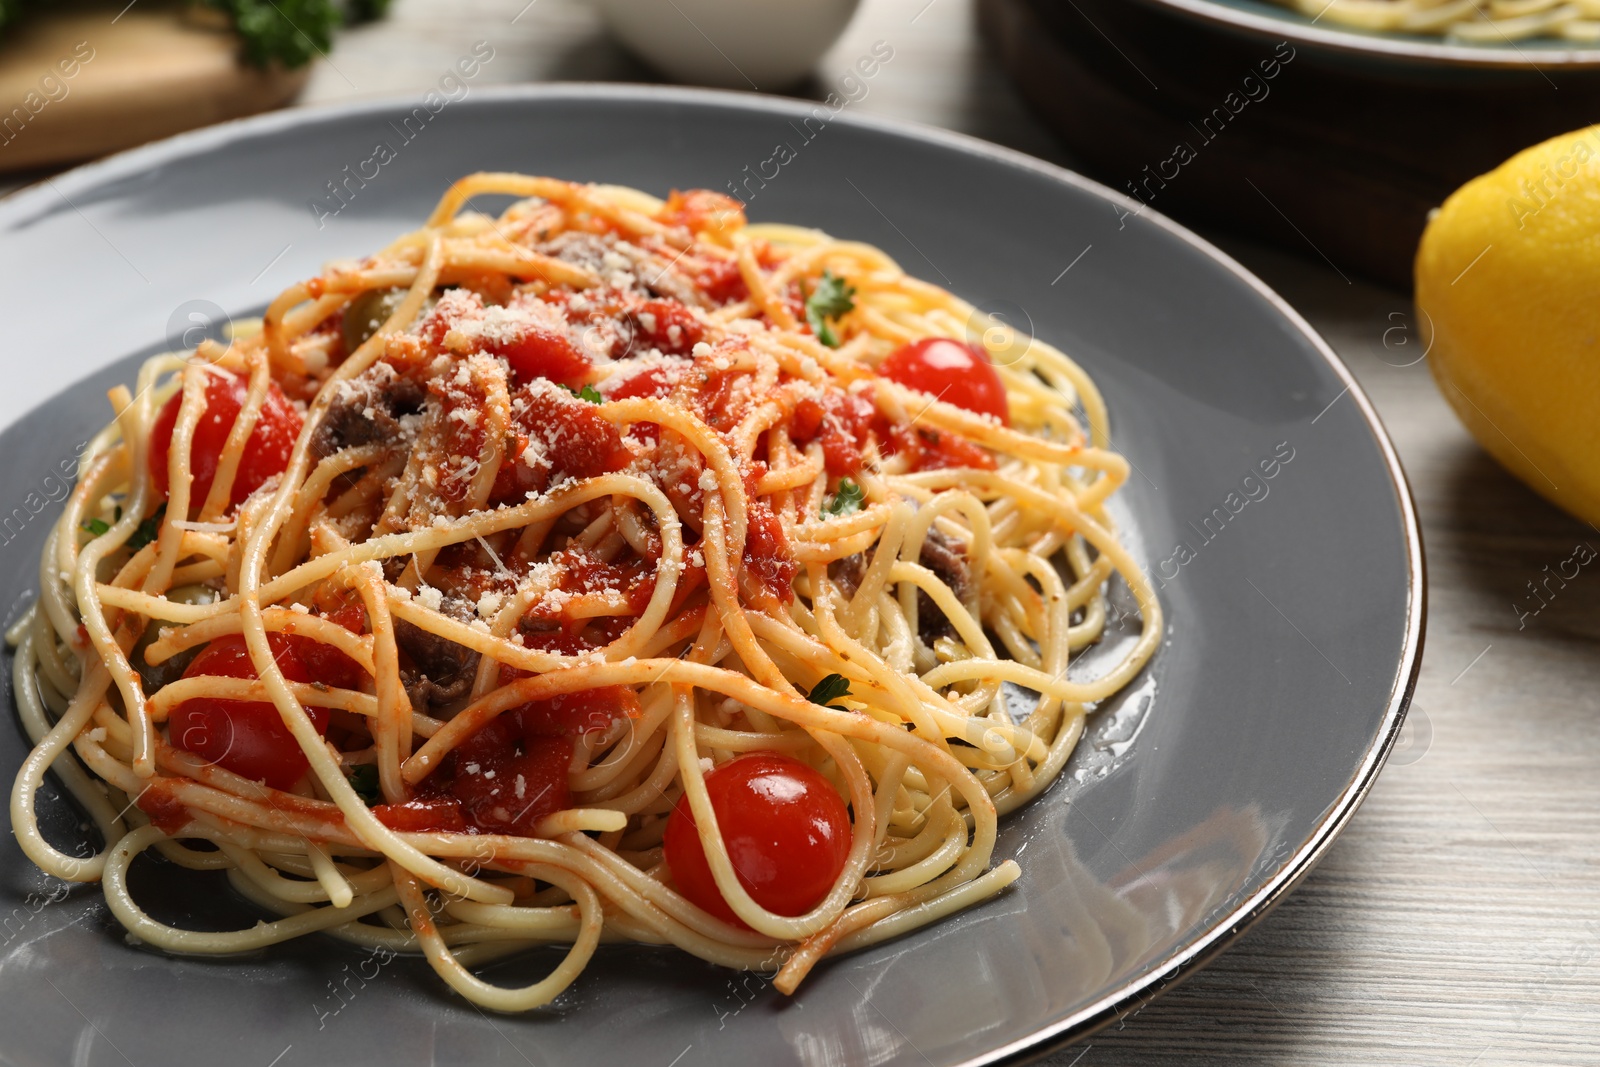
{"points": [[540, 353], [767, 555], [570, 714], [953, 371], [534, 348], [504, 779], [667, 325], [511, 794], [326, 663], [248, 737], [842, 420], [721, 281], [936, 450], [266, 451], [786, 830], [652, 381], [566, 435]]}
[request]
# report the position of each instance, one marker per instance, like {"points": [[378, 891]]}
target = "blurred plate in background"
{"points": [[1333, 143]]}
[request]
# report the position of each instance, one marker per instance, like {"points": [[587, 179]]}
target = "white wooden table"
{"points": [[1457, 921]]}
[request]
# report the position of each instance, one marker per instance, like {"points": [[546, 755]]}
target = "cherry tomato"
{"points": [[326, 663], [953, 371], [543, 354], [667, 325], [534, 348], [721, 281], [841, 420], [248, 737], [565, 436], [787, 832], [507, 790], [266, 451], [935, 450], [653, 381], [586, 711], [767, 555]]}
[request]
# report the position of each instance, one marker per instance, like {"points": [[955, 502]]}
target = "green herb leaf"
{"points": [[364, 780], [829, 689], [847, 501], [96, 527], [290, 32], [588, 392], [148, 530], [832, 299]]}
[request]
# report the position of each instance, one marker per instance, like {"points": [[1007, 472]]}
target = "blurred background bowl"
{"points": [[1341, 154], [733, 44]]}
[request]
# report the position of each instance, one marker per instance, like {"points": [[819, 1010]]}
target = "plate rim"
{"points": [[1221, 933], [1370, 45]]}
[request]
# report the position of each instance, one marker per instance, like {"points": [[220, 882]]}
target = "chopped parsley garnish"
{"points": [[95, 527], [832, 299], [588, 392], [847, 501], [829, 689], [364, 780], [292, 32], [148, 530]]}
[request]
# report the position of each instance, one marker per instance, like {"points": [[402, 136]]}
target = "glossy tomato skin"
{"points": [[423, 815], [841, 420], [953, 371], [248, 737], [510, 793], [585, 711], [266, 451], [786, 830]]}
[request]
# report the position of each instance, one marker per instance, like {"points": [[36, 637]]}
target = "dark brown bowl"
{"points": [[1332, 143]]}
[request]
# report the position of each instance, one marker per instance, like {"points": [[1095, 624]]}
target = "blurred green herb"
{"points": [[588, 392], [364, 780], [832, 298], [148, 530], [847, 501]]}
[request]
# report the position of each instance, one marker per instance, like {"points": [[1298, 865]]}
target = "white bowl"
{"points": [[735, 44]]}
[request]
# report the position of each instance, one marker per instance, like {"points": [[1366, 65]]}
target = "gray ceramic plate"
{"points": [[1199, 799]]}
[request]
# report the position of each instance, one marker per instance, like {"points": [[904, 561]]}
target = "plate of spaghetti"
{"points": [[651, 611], [1469, 33]]}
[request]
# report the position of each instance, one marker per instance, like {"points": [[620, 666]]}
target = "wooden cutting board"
{"points": [[82, 82]]}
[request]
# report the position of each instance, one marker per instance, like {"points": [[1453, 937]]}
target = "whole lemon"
{"points": [[1508, 295]]}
